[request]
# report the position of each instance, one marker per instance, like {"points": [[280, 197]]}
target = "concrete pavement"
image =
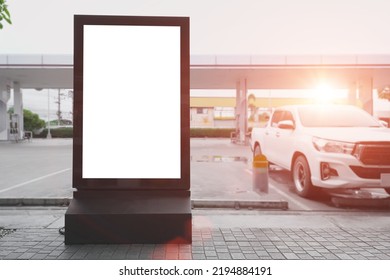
{"points": [[217, 234]]}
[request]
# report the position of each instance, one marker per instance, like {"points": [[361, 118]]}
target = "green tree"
{"points": [[31, 120], [4, 13], [384, 93], [252, 107]]}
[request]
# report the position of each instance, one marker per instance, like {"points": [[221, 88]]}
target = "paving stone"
{"points": [[322, 250], [344, 257], [26, 256], [244, 243], [185, 248], [197, 249], [210, 253], [185, 256], [277, 256], [291, 256], [158, 256], [238, 250], [366, 254], [128, 257], [21, 250], [247, 250], [65, 256], [304, 257], [198, 256], [4, 253], [13, 256], [238, 256], [314, 253], [208, 243], [222, 250], [38, 256], [291, 243], [251, 256], [80, 255], [149, 256], [272, 250], [224, 256], [119, 256], [50, 258], [230, 238], [92, 256]]}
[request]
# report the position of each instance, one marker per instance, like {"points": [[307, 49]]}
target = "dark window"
{"points": [[287, 116], [276, 118]]}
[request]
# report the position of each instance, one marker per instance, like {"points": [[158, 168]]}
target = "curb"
{"points": [[35, 201], [195, 203], [360, 198], [240, 204], [382, 203]]}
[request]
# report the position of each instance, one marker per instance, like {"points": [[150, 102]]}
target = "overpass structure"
{"points": [[358, 73]]}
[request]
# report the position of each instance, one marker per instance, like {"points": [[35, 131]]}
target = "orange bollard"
{"points": [[260, 174]]}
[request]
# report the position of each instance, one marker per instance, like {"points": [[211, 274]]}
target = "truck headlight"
{"points": [[330, 146]]}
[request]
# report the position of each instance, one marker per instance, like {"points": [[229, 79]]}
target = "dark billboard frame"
{"points": [[138, 184]]}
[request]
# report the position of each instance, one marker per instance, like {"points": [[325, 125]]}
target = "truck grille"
{"points": [[373, 153], [369, 173]]}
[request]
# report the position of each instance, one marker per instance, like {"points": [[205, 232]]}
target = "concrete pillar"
{"points": [[238, 108], [5, 93], [244, 109], [360, 94], [18, 108], [241, 110], [352, 94], [365, 94]]}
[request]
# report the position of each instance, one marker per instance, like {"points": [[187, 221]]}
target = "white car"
{"points": [[328, 146]]}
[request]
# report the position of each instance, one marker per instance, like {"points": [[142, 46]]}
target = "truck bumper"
{"points": [[346, 171]]}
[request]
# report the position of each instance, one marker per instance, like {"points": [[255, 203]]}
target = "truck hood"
{"points": [[351, 134]]}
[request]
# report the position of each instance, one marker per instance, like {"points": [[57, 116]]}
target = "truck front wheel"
{"points": [[302, 177]]}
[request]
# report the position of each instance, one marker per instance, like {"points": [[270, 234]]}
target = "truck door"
{"points": [[270, 146], [284, 137]]}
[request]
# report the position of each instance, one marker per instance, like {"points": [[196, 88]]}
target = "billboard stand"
{"points": [[131, 76], [124, 217]]}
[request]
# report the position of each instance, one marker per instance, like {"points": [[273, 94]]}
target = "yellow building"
{"points": [[212, 112], [219, 112]]}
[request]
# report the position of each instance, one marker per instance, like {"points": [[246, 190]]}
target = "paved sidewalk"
{"points": [[217, 234]]}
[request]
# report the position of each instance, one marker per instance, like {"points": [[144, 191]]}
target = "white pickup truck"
{"points": [[328, 146]]}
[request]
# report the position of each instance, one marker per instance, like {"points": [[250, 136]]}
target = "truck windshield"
{"points": [[335, 116]]}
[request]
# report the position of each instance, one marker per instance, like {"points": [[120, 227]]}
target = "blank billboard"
{"points": [[130, 102]]}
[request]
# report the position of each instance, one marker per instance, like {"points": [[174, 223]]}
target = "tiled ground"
{"points": [[220, 243]]}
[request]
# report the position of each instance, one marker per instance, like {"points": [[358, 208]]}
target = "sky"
{"points": [[217, 26]]}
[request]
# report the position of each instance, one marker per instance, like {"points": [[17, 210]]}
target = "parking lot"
{"points": [[220, 171]]}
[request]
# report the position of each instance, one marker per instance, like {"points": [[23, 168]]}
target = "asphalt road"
{"points": [[219, 170]]}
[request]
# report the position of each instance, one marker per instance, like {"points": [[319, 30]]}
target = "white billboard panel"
{"points": [[131, 102]]}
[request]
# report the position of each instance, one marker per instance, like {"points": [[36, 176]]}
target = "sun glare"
{"points": [[325, 94]]}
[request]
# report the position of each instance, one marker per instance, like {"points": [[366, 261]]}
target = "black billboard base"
{"points": [[129, 217]]}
